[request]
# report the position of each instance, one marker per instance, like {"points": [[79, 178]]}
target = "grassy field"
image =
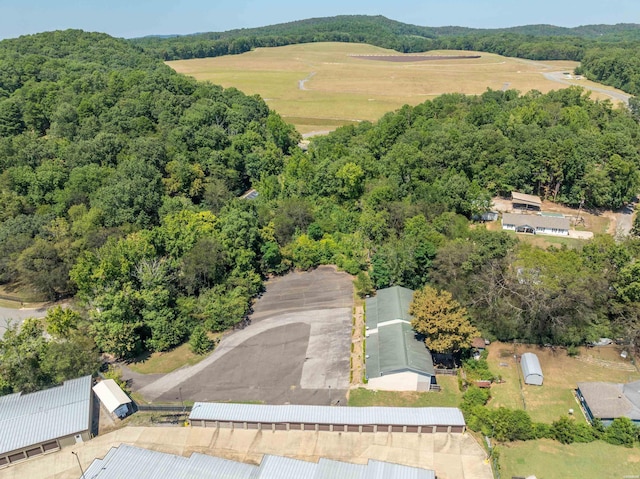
{"points": [[449, 396], [162, 363], [561, 373], [549, 459], [319, 86]]}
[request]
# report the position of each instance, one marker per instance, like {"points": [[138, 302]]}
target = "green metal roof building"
{"points": [[396, 356]]}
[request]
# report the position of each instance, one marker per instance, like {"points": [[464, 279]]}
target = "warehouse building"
{"points": [[531, 370], [328, 418], [397, 358], [44, 421], [608, 401], [129, 461]]}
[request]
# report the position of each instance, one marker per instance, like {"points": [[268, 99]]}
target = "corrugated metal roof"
{"points": [[392, 344], [530, 365], [278, 467], [110, 394], [128, 461], [329, 469], [27, 419], [385, 470], [535, 221], [523, 198], [405, 416]]}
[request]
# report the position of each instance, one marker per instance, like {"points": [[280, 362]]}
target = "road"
{"points": [[11, 315], [558, 77]]}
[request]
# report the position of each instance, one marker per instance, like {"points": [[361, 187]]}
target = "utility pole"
{"points": [[79, 465]]}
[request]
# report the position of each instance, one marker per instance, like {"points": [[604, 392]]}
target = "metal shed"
{"points": [[112, 397], [531, 370], [522, 200]]}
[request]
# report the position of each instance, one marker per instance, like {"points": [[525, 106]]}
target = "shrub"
{"points": [[563, 430], [621, 432], [363, 284], [474, 397], [199, 342]]}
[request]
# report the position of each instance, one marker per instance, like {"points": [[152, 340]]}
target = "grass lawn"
{"points": [[12, 295], [547, 459], [449, 396], [561, 373], [315, 85], [166, 362]]}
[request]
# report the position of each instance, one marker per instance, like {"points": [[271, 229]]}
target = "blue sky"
{"points": [[132, 18]]}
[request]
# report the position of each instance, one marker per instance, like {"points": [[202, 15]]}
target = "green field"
{"points": [[341, 88], [547, 459]]}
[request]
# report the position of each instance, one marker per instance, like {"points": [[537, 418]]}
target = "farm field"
{"points": [[549, 459], [320, 86], [561, 373]]}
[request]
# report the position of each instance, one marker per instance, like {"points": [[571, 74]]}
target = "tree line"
{"points": [[120, 183]]}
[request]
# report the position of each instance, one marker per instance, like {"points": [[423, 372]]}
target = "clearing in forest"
{"points": [[320, 86]]}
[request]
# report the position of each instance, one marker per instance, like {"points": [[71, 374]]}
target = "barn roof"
{"points": [[27, 419], [612, 400], [530, 365], [129, 461], [392, 344], [110, 394], [524, 199], [535, 221], [281, 414]]}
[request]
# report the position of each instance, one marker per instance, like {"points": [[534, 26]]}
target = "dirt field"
{"points": [[555, 397], [296, 350], [319, 86], [452, 456]]}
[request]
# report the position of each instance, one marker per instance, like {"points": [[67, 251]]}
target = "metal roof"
{"points": [[530, 365], [129, 461], [524, 199], [612, 400], [27, 419], [110, 394], [281, 414], [392, 344], [387, 304], [535, 221]]}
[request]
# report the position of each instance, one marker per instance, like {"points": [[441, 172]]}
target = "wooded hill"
{"points": [[609, 53], [119, 185]]}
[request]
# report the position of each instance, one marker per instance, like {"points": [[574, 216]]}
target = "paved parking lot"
{"points": [[296, 349]]}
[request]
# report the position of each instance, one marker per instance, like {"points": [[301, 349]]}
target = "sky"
{"points": [[135, 18]]}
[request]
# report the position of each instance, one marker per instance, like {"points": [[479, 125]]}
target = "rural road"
{"points": [[558, 77], [10, 315]]}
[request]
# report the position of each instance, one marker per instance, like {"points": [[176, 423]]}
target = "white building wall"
{"points": [[405, 381]]}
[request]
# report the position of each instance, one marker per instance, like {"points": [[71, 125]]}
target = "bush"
{"points": [[572, 351], [473, 397], [199, 342], [621, 432], [563, 430], [363, 284], [477, 370]]}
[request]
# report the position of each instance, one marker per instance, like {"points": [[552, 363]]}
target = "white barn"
{"points": [[531, 370]]}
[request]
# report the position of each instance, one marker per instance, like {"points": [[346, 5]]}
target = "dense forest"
{"points": [[120, 183], [609, 53]]}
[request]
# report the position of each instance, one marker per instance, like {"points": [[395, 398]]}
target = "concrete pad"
{"points": [[418, 450]]}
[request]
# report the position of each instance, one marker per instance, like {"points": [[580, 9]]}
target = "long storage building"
{"points": [[328, 418]]}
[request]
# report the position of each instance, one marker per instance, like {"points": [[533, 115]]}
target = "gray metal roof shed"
{"points": [[129, 461], [531, 370], [28, 419], [392, 344], [525, 199], [281, 414]]}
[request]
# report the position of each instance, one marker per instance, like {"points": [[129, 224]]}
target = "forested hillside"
{"points": [[119, 185], [609, 53]]}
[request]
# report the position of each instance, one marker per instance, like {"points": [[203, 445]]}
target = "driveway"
{"points": [[9, 316], [296, 349]]}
